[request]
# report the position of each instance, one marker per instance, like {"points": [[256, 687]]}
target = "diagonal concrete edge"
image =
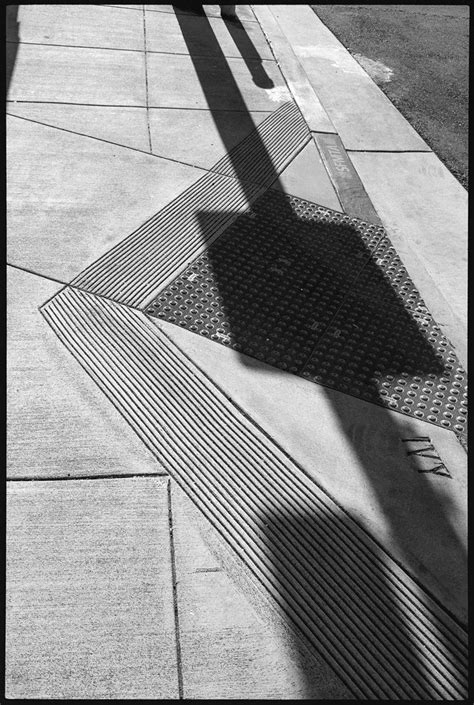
{"points": [[45, 398], [137, 267], [234, 643], [376, 627], [344, 177], [368, 183]]}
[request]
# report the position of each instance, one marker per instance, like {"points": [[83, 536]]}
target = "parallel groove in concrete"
{"points": [[383, 635], [260, 154], [137, 267]]}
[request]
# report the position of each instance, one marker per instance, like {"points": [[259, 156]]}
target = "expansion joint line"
{"points": [[175, 596], [145, 51]]}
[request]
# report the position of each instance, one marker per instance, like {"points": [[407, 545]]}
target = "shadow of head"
{"points": [[249, 53], [202, 43]]}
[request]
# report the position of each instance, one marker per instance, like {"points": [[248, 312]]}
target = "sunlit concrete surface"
{"points": [[129, 577], [61, 218], [59, 424], [90, 604]]}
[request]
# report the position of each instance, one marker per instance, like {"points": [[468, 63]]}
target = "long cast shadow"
{"points": [[301, 288], [12, 39]]}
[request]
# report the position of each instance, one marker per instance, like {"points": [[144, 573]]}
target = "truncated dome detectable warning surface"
{"points": [[324, 296]]}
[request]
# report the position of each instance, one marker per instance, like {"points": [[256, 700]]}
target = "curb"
{"points": [[345, 179], [349, 185]]}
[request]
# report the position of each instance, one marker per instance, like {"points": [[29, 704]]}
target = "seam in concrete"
{"points": [[116, 144], [36, 274], [179, 664], [81, 48], [222, 110], [138, 51], [120, 7], [74, 46], [86, 105], [64, 478], [135, 149], [391, 151], [146, 81], [141, 107], [50, 298], [211, 56]]}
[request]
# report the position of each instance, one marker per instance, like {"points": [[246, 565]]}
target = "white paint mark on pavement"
{"points": [[376, 69], [279, 94]]}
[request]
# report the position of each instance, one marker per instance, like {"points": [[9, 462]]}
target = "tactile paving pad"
{"points": [[379, 630], [324, 296]]}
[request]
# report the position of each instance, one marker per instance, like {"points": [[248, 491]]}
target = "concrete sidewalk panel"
{"points": [[77, 75], [196, 136], [89, 591], [164, 34], [81, 25], [424, 209], [306, 177], [174, 82], [232, 643], [353, 450], [361, 113], [59, 425], [123, 126], [71, 198]]}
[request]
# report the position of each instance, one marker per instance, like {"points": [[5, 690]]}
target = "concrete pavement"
{"points": [[185, 520]]}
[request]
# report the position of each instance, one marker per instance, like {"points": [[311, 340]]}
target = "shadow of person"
{"points": [[249, 53], [196, 28], [12, 39], [322, 295]]}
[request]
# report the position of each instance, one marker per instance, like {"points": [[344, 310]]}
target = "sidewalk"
{"points": [[226, 248]]}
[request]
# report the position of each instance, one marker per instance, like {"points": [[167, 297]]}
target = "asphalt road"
{"points": [[419, 57]]}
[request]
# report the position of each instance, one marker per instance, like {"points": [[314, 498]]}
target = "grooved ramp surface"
{"points": [[261, 155], [133, 270], [142, 263], [385, 637], [324, 296]]}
